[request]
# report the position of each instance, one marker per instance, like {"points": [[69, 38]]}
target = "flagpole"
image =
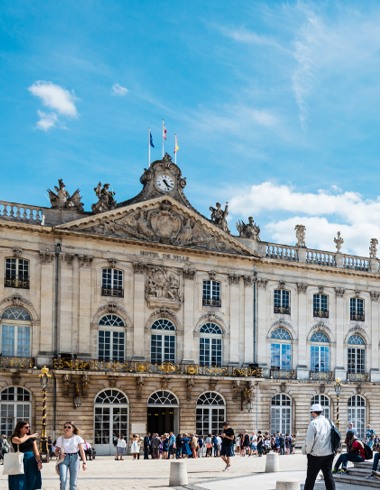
{"points": [[163, 139], [149, 145], [175, 149]]}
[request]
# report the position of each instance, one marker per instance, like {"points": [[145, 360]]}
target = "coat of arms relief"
{"points": [[162, 287]]}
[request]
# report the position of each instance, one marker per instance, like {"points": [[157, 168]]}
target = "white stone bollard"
{"points": [[272, 463], [178, 474], [288, 484]]}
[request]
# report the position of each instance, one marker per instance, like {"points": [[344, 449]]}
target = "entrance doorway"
{"points": [[163, 413]]}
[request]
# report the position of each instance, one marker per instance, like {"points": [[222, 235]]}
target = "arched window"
{"points": [[281, 414], [356, 355], [164, 398], [211, 293], [162, 346], [320, 306], [15, 405], [282, 301], [210, 345], [281, 351], [111, 338], [319, 352], [210, 413], [324, 401], [15, 332], [16, 273], [357, 414], [112, 283], [357, 309]]}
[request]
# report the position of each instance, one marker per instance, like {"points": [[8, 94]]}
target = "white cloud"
{"points": [[119, 90], [55, 97], [47, 121]]}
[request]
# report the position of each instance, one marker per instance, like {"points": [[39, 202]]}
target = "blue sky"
{"points": [[275, 105]]}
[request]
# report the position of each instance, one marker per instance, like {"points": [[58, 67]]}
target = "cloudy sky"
{"points": [[275, 105]]}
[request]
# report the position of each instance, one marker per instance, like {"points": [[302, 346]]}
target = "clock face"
{"points": [[165, 183]]}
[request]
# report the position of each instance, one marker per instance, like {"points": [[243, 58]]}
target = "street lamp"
{"points": [[44, 380], [338, 387]]}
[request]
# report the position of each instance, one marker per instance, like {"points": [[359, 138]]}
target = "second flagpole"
{"points": [[149, 145]]}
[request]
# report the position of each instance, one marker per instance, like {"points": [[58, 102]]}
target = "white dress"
{"points": [[135, 447]]}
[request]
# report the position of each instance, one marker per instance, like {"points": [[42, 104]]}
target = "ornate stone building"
{"points": [[154, 317]]}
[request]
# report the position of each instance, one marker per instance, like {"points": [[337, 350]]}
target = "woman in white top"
{"points": [[135, 446], [67, 448], [121, 447]]}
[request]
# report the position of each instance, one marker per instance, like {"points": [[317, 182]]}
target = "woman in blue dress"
{"points": [[165, 446], [31, 479], [186, 451]]}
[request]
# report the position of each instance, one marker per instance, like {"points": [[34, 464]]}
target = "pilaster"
{"points": [[85, 301], [340, 319], [189, 349], [374, 365], [47, 302], [138, 312], [248, 319], [234, 318]]}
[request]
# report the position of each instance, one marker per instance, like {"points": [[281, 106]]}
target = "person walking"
{"points": [[26, 443], [215, 445], [171, 444], [355, 453], [201, 445], [370, 436], [146, 445], [179, 444], [87, 450], [193, 445], [245, 443], [259, 443], [156, 441], [227, 441], [318, 448], [67, 448], [120, 448], [209, 445], [282, 444]]}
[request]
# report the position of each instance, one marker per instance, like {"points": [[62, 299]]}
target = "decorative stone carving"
{"points": [[320, 289], [66, 380], [112, 381], [106, 201], [302, 287], [17, 300], [322, 388], [320, 327], [300, 235], [357, 292], [212, 275], [249, 230], [233, 278], [235, 389], [113, 308], [85, 384], [282, 387], [218, 217], [162, 286], [46, 257], [112, 262], [339, 242], [189, 273], [189, 387], [373, 248], [63, 200], [16, 378], [139, 267], [359, 389], [339, 292], [139, 387], [281, 284], [67, 258], [248, 281], [374, 295], [212, 318], [17, 252], [262, 283], [212, 382], [165, 382], [85, 260]]}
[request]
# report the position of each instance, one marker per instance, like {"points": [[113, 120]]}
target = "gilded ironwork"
{"points": [[320, 313], [282, 309], [357, 377], [15, 282], [119, 293], [16, 362], [211, 302], [358, 317], [282, 374], [321, 376]]}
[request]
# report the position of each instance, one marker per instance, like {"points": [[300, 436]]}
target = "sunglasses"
{"points": [[67, 427], [26, 426]]}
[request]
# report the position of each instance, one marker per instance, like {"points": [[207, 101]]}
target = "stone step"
{"points": [[365, 464], [357, 480], [363, 472]]}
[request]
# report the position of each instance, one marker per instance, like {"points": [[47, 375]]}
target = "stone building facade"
{"points": [[152, 317]]}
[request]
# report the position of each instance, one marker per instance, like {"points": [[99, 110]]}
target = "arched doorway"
{"points": [[15, 405], [163, 413], [210, 413], [110, 420], [281, 414]]}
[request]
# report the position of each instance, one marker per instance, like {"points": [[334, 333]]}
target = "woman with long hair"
{"points": [[31, 479], [67, 448]]}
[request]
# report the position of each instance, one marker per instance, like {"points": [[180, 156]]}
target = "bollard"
{"points": [[178, 474], [272, 463], [288, 484]]}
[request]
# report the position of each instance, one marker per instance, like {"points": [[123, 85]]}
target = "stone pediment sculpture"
{"points": [[218, 217], [300, 235], [249, 230], [106, 200], [162, 287], [163, 221], [338, 242], [62, 199], [373, 248]]}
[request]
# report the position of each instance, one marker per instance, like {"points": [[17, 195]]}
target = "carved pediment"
{"points": [[162, 220]]}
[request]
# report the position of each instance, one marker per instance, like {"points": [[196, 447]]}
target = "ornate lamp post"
{"points": [[44, 379], [338, 387]]}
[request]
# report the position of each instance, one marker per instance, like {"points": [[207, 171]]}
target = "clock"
{"points": [[165, 183]]}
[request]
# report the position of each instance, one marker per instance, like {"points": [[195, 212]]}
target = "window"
{"points": [[110, 419], [162, 346], [357, 309], [15, 405], [211, 293], [324, 401], [112, 283], [319, 354], [111, 341], [210, 413], [16, 273], [357, 414], [281, 353], [15, 332], [356, 355], [281, 414], [320, 306], [162, 398], [210, 345], [282, 301]]}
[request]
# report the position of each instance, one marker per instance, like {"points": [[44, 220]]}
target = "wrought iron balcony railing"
{"points": [[282, 374], [321, 375], [16, 362], [320, 313], [357, 377], [16, 282], [212, 302], [282, 309], [357, 317], [119, 293]]}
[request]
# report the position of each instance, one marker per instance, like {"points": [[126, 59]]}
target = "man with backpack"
{"points": [[319, 449], [355, 453]]}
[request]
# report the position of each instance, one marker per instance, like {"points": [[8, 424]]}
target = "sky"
{"points": [[275, 106]]}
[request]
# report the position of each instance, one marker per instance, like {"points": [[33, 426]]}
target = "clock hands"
{"points": [[168, 187]]}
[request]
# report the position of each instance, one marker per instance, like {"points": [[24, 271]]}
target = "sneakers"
{"points": [[370, 477], [343, 471], [334, 471], [376, 474]]}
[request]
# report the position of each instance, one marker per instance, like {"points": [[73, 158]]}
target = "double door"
{"points": [[110, 422]]}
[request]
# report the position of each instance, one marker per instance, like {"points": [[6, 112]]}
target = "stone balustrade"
{"points": [[23, 213], [281, 252]]}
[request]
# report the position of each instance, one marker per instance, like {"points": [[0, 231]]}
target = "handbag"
{"points": [[14, 463], [57, 463]]}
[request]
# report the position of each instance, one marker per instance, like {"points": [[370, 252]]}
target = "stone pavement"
{"points": [[105, 473]]}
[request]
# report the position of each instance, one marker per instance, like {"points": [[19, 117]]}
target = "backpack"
{"points": [[368, 454], [335, 437]]}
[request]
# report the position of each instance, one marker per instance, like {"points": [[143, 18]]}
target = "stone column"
{"points": [[188, 318], [248, 319], [138, 311], [85, 295], [374, 369], [46, 344], [302, 367], [68, 331], [340, 371], [233, 280], [262, 325]]}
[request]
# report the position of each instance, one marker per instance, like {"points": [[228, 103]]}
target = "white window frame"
{"points": [[119, 330], [163, 335], [357, 414], [281, 415], [209, 417], [6, 408], [324, 401], [113, 288], [16, 324], [214, 296], [21, 280], [212, 346]]}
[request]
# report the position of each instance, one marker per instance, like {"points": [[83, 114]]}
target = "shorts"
{"points": [[225, 451], [120, 450], [253, 447]]}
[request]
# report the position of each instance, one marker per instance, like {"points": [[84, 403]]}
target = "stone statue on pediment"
{"points": [[218, 217], [106, 200], [249, 230], [61, 199], [300, 235]]}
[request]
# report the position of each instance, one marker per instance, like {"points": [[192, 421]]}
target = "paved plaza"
{"points": [[105, 473]]}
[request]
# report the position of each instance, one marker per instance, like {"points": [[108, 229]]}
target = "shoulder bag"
{"points": [[14, 463]]}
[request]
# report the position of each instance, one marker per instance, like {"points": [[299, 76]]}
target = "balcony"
{"points": [[357, 377], [211, 302], [16, 282], [16, 362], [357, 317], [321, 375], [285, 310], [282, 374], [320, 314], [119, 293]]}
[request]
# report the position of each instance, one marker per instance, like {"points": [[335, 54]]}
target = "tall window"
{"points": [[15, 332], [211, 293], [320, 306], [162, 345], [324, 401], [319, 352], [357, 414], [15, 405], [282, 301], [357, 309], [210, 345], [281, 351], [16, 273], [210, 413], [111, 338], [356, 355], [281, 414], [112, 283]]}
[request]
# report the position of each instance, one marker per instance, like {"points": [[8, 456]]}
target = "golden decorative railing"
{"points": [[357, 377], [147, 367], [282, 374], [322, 376], [16, 362]]}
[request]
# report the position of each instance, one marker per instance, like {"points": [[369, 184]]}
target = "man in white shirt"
{"points": [[121, 447], [318, 447], [352, 429]]}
